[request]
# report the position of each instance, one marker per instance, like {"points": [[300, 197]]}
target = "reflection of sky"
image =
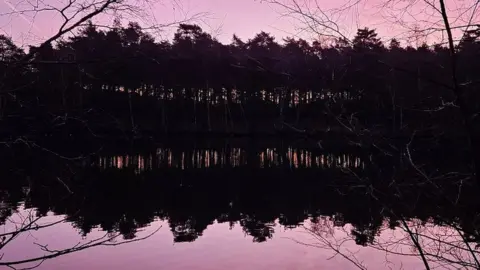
{"points": [[247, 17], [218, 248]]}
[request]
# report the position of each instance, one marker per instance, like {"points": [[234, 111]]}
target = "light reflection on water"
{"points": [[280, 95], [233, 157]]}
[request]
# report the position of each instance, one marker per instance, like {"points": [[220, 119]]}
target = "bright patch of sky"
{"points": [[245, 18]]}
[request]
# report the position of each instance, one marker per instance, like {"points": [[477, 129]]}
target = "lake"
{"points": [[218, 204]]}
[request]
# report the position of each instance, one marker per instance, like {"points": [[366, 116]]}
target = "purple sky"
{"points": [[223, 18], [246, 17]]}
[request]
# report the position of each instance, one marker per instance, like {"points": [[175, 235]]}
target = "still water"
{"points": [[276, 206], [221, 247]]}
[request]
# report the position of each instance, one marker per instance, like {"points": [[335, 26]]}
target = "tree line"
{"points": [[195, 79]]}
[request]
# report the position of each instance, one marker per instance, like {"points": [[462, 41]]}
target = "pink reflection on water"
{"points": [[218, 248]]}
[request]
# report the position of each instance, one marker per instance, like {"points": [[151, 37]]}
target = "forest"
{"points": [[120, 81], [114, 129]]}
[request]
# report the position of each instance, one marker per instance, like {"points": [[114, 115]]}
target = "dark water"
{"points": [[226, 204]]}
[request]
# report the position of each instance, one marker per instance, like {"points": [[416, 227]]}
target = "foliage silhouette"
{"points": [[102, 81]]}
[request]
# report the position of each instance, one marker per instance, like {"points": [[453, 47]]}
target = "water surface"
{"points": [[226, 206]]}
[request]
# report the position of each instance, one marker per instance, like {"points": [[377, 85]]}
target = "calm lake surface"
{"points": [[220, 247], [218, 205]]}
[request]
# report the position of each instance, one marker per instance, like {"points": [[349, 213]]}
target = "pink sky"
{"points": [[224, 18], [242, 17]]}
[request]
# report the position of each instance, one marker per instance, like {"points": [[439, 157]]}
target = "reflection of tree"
{"points": [[122, 202], [186, 231], [443, 247], [406, 226], [28, 222], [260, 231]]}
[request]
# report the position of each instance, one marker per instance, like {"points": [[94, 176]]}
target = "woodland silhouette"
{"points": [[120, 81], [380, 133]]}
